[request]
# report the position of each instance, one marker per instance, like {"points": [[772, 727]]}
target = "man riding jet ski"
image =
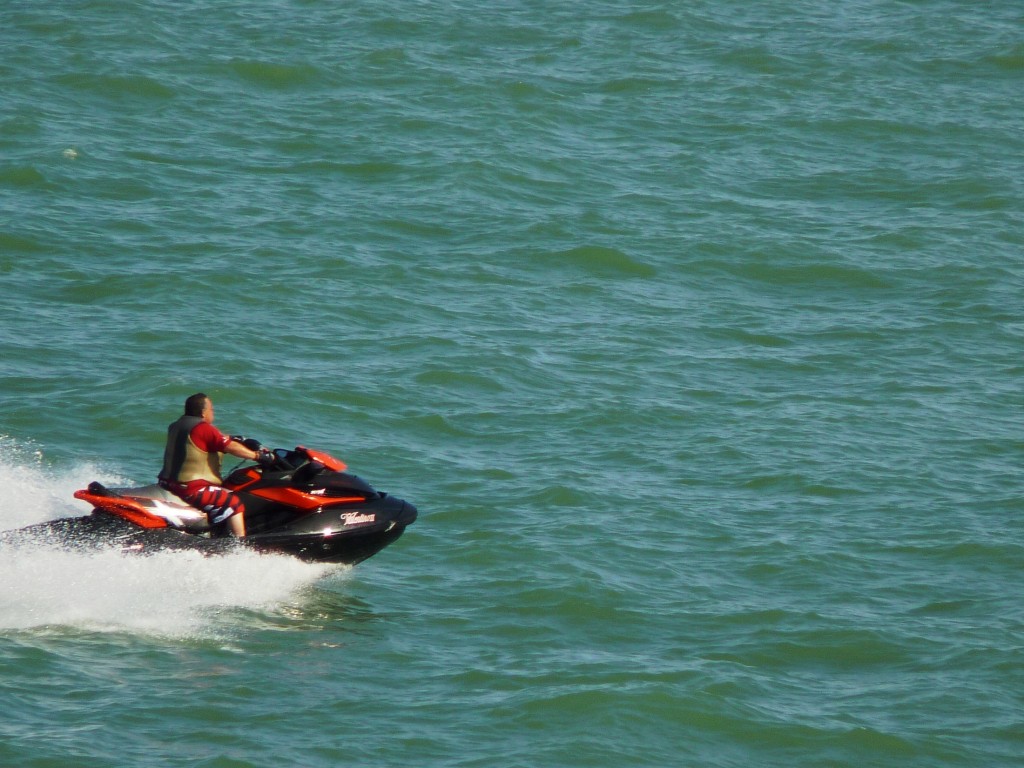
{"points": [[300, 502]]}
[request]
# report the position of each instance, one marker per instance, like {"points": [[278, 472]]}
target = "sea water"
{"points": [[693, 330]]}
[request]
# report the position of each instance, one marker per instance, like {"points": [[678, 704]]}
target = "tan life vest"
{"points": [[183, 460]]}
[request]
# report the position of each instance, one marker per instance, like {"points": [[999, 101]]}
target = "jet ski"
{"points": [[299, 502]]}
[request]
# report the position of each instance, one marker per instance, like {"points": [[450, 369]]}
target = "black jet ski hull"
{"points": [[104, 531], [316, 548]]}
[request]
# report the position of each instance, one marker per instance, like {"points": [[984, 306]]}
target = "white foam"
{"points": [[31, 492], [177, 594]]}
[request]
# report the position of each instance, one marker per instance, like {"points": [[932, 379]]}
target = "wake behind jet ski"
{"points": [[300, 502]]}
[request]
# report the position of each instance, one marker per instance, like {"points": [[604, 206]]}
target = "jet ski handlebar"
{"points": [[265, 457]]}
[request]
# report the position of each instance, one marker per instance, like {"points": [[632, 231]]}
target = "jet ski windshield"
{"points": [[291, 459], [301, 457]]}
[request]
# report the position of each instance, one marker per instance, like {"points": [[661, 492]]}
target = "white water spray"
{"points": [[167, 593]]}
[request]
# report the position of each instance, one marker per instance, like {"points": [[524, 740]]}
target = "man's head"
{"points": [[199, 405]]}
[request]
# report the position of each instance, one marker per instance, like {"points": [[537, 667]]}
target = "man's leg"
{"points": [[220, 505]]}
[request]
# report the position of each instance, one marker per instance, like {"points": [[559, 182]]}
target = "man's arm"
{"points": [[235, 448]]}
